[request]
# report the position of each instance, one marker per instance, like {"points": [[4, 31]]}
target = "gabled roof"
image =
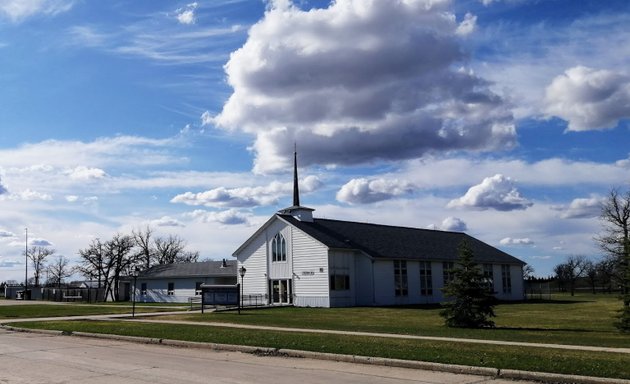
{"points": [[392, 242], [182, 270]]}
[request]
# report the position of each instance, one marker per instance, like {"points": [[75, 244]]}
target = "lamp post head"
{"points": [[136, 272], [241, 271]]}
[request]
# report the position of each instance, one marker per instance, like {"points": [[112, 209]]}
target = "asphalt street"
{"points": [[37, 358]]}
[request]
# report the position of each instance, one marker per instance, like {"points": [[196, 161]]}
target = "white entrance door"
{"points": [[281, 291]]}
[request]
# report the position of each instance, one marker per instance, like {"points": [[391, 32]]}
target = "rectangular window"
{"points": [[400, 278], [171, 289], [506, 278], [339, 282], [488, 276], [426, 283], [447, 271], [198, 288], [143, 289]]}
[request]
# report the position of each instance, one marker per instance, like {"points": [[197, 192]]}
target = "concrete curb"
{"points": [[398, 363]]}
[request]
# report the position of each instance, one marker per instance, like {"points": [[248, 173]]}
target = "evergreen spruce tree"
{"points": [[470, 301]]}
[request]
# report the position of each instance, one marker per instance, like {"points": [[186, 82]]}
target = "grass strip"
{"points": [[599, 364], [24, 311], [573, 323]]}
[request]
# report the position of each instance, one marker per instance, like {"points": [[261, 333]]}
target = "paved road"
{"points": [[36, 358]]}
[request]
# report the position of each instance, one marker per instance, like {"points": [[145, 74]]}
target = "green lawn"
{"points": [[579, 320], [24, 311], [614, 365]]}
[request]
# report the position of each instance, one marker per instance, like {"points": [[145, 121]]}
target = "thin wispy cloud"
{"points": [[19, 10]]}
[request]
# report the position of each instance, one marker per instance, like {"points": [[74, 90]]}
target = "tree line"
{"points": [[106, 262], [471, 303], [613, 270]]}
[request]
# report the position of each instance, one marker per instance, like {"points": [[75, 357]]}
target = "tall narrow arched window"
{"points": [[278, 248]]}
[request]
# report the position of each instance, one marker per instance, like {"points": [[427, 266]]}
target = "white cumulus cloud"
{"points": [[467, 26], [85, 173], [516, 241], [581, 208], [245, 196], [186, 15], [497, 192], [4, 233], [589, 99], [351, 86], [454, 224], [40, 242], [28, 195], [365, 191], [228, 217], [166, 221]]}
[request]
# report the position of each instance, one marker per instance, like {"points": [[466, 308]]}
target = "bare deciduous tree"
{"points": [[59, 269], [119, 256], [145, 250], [615, 241], [38, 255], [94, 264], [571, 270], [172, 250]]}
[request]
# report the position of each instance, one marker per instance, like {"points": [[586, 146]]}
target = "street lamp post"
{"points": [[241, 271], [135, 274]]}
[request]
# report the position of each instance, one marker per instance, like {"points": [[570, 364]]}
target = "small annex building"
{"points": [[297, 259], [176, 283]]}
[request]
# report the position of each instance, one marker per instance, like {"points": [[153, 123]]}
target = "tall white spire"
{"points": [[296, 190], [296, 210]]}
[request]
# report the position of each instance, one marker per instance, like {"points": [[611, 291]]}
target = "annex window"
{"points": [[400, 278], [143, 289], [171, 289], [448, 269], [278, 248], [339, 282], [426, 283], [198, 288], [506, 278], [488, 276]]}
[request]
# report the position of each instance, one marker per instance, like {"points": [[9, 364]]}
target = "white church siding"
{"points": [[342, 264], [310, 268], [363, 280], [384, 282], [254, 259]]}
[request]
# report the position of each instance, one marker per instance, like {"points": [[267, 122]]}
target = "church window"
{"points": [[278, 248], [448, 271], [400, 278], [426, 283], [488, 276], [506, 278]]}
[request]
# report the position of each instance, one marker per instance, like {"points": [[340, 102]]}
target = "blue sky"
{"points": [[507, 119]]}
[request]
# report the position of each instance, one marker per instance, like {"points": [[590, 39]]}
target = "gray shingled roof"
{"points": [[206, 269], [391, 242]]}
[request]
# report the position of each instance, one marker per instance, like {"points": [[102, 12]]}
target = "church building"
{"points": [[295, 258]]}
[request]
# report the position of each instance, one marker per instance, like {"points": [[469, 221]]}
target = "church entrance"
{"points": [[281, 291]]}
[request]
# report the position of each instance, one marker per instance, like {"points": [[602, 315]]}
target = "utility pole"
{"points": [[25, 265]]}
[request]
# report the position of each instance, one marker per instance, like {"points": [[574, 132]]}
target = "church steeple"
{"points": [[296, 190], [296, 210]]}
